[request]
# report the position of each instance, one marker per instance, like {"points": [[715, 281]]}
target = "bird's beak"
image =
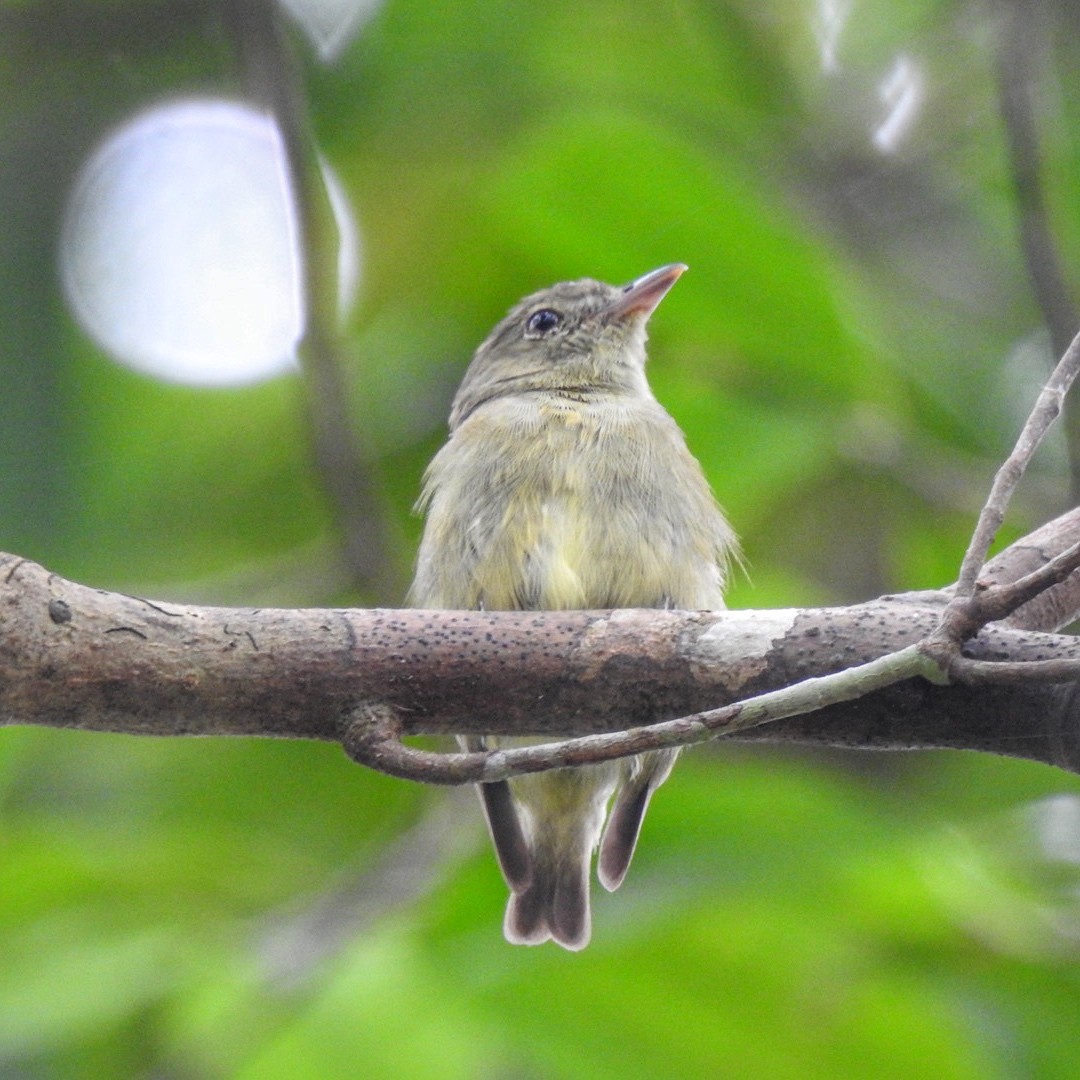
{"points": [[640, 297]]}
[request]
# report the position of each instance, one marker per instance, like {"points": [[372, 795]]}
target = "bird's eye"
{"points": [[543, 321]]}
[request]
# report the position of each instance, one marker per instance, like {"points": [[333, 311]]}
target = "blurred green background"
{"points": [[851, 354]]}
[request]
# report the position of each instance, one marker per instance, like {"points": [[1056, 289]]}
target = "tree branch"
{"points": [[374, 733], [349, 476], [1045, 411], [77, 657], [1059, 605], [72, 656], [1021, 48], [1023, 36]]}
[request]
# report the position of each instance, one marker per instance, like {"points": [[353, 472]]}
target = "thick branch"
{"points": [[71, 656]]}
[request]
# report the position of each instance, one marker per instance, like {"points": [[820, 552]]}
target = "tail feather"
{"points": [[545, 830], [627, 813], [504, 824], [507, 836], [555, 905]]}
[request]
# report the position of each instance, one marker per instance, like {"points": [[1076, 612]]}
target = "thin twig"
{"points": [[1059, 605], [968, 672], [1046, 410], [374, 736], [1000, 601], [1033, 550]]}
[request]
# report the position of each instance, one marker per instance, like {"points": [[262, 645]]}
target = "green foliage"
{"points": [[850, 355]]}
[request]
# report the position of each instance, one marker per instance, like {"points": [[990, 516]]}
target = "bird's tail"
{"points": [[554, 905], [647, 773], [545, 830]]}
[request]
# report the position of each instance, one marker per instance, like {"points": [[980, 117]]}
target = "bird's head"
{"points": [[577, 337]]}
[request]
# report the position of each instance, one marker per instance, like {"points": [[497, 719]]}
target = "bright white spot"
{"points": [[331, 24], [180, 252], [828, 25], [1057, 821], [901, 92]]}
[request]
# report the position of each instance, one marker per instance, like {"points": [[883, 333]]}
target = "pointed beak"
{"points": [[641, 297]]}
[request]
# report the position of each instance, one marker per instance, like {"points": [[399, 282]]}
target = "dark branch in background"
{"points": [[292, 944], [270, 67], [1022, 46]]}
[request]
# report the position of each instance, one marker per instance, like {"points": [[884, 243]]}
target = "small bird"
{"points": [[565, 485]]}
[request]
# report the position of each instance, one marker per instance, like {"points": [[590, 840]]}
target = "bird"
{"points": [[564, 484]]}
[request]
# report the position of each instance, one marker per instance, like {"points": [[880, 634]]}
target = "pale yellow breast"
{"points": [[554, 503]]}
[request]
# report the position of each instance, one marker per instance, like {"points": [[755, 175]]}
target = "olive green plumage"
{"points": [[565, 484]]}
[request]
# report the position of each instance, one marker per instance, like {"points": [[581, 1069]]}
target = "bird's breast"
{"points": [[555, 503], [569, 534]]}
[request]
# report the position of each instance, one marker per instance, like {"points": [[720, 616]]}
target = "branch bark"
{"points": [[866, 676], [77, 657]]}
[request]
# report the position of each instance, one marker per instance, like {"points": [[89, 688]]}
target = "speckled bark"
{"points": [[76, 657]]}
